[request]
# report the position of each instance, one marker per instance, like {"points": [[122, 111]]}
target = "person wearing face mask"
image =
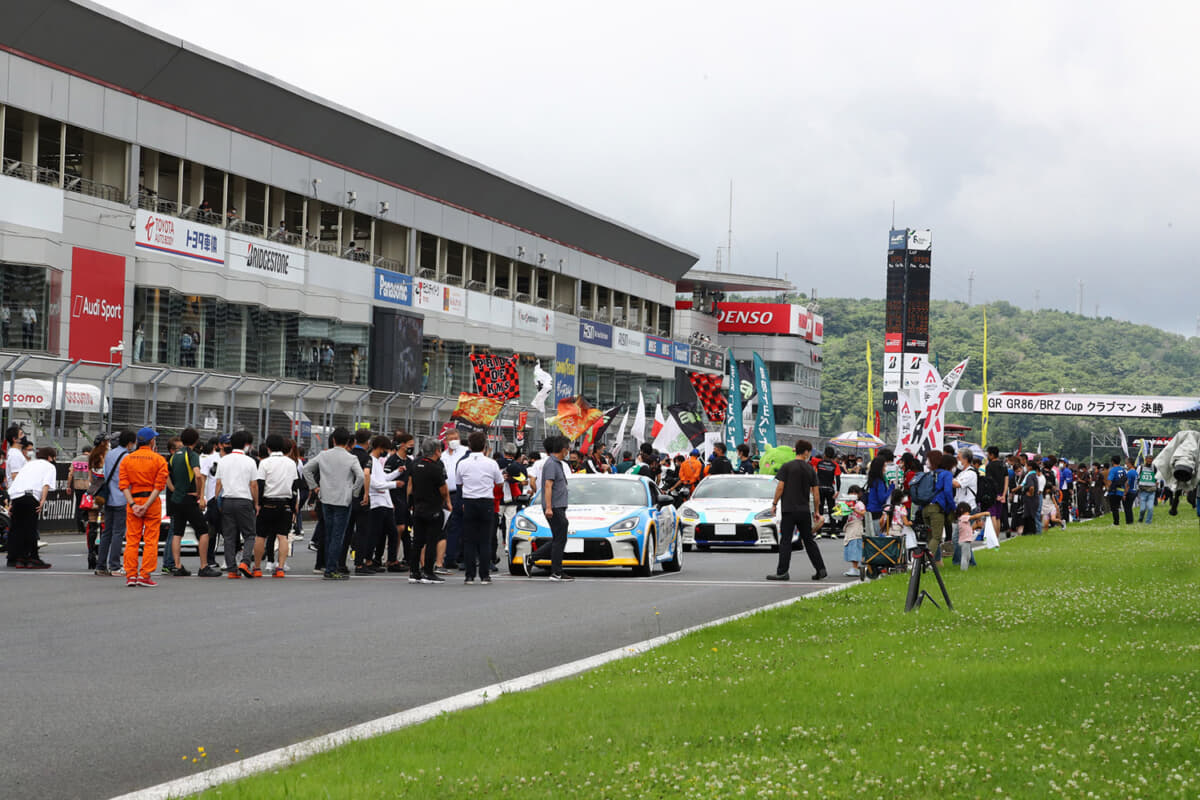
{"points": [[28, 492], [448, 554], [399, 460]]}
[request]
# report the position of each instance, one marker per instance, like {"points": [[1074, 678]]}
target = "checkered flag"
{"points": [[710, 395]]}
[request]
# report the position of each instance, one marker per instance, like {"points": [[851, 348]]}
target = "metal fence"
{"points": [[62, 412]]}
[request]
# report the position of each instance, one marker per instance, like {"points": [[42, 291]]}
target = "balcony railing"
{"points": [[71, 183], [452, 280], [390, 264]]}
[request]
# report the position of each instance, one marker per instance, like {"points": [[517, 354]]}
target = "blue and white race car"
{"points": [[730, 511], [614, 521]]}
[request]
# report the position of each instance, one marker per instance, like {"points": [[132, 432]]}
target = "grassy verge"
{"points": [[1069, 670]]}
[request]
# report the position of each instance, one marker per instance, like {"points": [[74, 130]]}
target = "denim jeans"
{"points": [[336, 518], [1146, 505], [111, 549]]}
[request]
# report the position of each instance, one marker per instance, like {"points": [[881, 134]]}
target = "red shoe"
{"points": [[257, 573], [37, 563], [244, 568], [279, 573], [131, 582], [147, 581], [234, 575]]}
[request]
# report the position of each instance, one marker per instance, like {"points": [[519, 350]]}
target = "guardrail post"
{"points": [[231, 400], [329, 404], [66, 370], [265, 414]]}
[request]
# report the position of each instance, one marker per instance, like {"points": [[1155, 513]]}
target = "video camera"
{"points": [[921, 530]]}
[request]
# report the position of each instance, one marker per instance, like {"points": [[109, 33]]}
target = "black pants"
{"points": [[23, 532], [318, 536], [1127, 502], [1114, 505], [454, 543], [212, 517], [359, 518], [557, 544], [828, 495], [426, 533], [382, 522], [788, 522], [479, 524]]}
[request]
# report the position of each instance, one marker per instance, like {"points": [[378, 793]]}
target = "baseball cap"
{"points": [[147, 433], [225, 438], [695, 452]]}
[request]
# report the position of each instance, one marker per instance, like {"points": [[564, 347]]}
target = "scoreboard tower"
{"points": [[906, 326]]}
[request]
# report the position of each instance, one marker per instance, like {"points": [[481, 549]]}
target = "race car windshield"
{"points": [[602, 492], [734, 489]]}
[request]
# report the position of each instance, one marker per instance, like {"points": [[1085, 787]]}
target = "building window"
{"points": [[781, 371], [24, 307]]}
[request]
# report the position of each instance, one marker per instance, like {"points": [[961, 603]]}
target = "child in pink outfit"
{"points": [[967, 524]]}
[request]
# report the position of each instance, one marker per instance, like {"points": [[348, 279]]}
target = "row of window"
{"points": [[790, 372]]}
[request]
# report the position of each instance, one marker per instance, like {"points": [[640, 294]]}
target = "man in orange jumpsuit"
{"points": [[143, 477]]}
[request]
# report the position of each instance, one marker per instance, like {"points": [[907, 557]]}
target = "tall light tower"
{"points": [[971, 288]]}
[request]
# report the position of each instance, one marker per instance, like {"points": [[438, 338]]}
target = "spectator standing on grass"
{"points": [[1131, 489], [143, 477], [1066, 488], [341, 476], [28, 492], [237, 488], [110, 551], [428, 501], [967, 524], [998, 475], [1114, 486], [938, 513], [1147, 490], [878, 492], [797, 498], [966, 481], [276, 483], [554, 505], [478, 477], [185, 480]]}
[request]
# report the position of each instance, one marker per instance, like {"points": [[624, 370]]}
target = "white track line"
{"points": [[286, 756]]}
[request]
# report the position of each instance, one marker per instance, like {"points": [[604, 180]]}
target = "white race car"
{"points": [[730, 511]]}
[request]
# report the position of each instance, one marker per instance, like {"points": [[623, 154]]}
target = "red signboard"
{"points": [[771, 318], [97, 305]]}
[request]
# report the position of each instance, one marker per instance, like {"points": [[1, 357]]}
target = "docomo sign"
{"points": [[29, 393], [784, 318]]}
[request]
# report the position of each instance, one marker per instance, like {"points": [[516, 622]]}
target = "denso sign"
{"points": [[769, 318]]}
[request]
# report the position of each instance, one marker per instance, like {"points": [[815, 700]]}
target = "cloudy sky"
{"points": [[1043, 142]]}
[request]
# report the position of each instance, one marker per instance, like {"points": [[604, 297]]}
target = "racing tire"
{"points": [[676, 563], [516, 569], [644, 569]]}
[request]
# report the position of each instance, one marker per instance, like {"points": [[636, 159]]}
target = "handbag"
{"points": [[87, 502]]}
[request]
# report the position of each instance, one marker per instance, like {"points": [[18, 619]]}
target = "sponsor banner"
{"points": [[898, 239], [919, 239], [781, 318], [689, 422], [564, 371], [33, 394], [97, 305], [596, 333], [1092, 405], [31, 205], [179, 237], [496, 376], [764, 423], [658, 347], [735, 432], [914, 368], [891, 343], [434, 296], [483, 308], [629, 341], [393, 287], [266, 259], [681, 353], [533, 319], [706, 358]]}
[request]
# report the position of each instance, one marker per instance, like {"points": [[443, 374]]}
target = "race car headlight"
{"points": [[687, 512], [764, 515], [525, 524], [624, 525]]}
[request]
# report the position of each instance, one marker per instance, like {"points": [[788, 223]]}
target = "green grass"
{"points": [[1070, 669]]}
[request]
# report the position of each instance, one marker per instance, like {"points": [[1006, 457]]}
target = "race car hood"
{"points": [[726, 509], [586, 518]]}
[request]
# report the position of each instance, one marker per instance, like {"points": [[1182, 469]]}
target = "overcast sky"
{"points": [[1043, 142]]}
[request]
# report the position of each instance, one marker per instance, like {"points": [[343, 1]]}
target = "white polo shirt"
{"points": [[235, 472], [210, 481], [278, 474], [16, 460], [34, 475], [478, 476], [450, 461]]}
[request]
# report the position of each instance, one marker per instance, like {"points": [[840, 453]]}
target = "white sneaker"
{"points": [[851, 573]]}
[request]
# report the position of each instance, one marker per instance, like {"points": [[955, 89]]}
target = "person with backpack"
{"points": [[933, 493], [1147, 491], [1115, 488]]}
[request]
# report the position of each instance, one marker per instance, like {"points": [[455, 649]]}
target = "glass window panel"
{"points": [[24, 306]]}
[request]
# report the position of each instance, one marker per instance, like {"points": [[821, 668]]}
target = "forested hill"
{"points": [[1046, 351]]}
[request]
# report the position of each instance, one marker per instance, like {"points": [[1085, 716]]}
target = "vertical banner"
{"points": [[764, 424], [97, 306], [870, 389], [984, 432], [735, 433], [639, 420], [564, 372]]}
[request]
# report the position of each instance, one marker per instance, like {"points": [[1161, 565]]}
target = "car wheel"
{"points": [[644, 569], [676, 563], [687, 547]]}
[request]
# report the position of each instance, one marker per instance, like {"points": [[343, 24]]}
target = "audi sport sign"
{"points": [[784, 318]]}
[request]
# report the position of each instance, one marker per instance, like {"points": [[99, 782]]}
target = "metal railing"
{"points": [[51, 177], [477, 286], [427, 273], [390, 263], [452, 280]]}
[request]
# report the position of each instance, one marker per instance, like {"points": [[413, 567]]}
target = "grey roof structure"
{"points": [[96, 43]]}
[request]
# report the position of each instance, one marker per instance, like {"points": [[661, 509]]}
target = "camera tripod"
{"points": [[922, 560]]}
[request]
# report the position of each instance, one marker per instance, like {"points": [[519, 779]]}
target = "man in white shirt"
{"points": [[381, 519], [450, 549], [28, 326], [16, 459], [277, 474], [478, 476], [237, 486], [966, 482], [28, 492]]}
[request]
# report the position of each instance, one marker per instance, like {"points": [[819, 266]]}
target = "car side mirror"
{"points": [[663, 502], [521, 501]]}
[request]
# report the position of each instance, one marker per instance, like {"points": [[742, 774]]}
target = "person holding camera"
{"points": [[938, 513]]}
